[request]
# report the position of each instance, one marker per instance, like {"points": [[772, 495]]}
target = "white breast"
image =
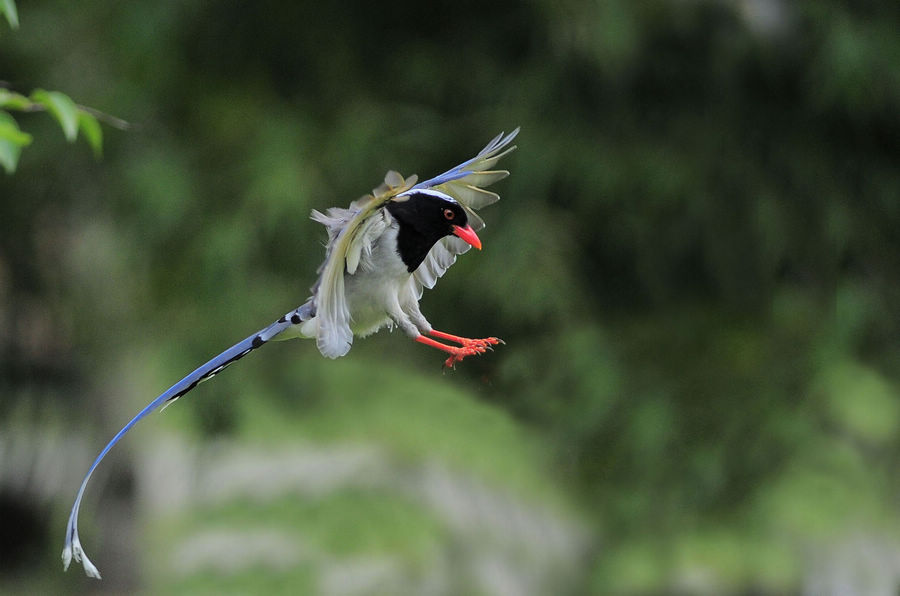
{"points": [[375, 291]]}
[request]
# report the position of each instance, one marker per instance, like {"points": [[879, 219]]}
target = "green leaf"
{"points": [[9, 130], [62, 108], [91, 131], [11, 142], [8, 8], [13, 101]]}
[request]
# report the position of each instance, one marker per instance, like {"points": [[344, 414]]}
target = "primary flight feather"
{"points": [[382, 252]]}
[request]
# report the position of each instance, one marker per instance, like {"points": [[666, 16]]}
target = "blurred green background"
{"points": [[695, 266]]}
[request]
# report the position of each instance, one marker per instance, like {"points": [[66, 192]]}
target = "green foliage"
{"points": [[62, 108], [14, 101], [72, 119], [89, 127], [11, 142]]}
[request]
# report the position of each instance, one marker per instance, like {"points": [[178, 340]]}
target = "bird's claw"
{"points": [[471, 347]]}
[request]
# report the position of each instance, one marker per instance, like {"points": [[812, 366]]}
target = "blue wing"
{"points": [[72, 548], [485, 159]]}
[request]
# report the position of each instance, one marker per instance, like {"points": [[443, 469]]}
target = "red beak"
{"points": [[469, 235]]}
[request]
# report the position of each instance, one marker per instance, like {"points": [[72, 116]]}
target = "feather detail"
{"points": [[473, 197], [394, 179], [486, 177], [474, 219], [476, 171], [350, 234], [439, 259]]}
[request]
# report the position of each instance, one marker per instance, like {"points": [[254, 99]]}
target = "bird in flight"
{"points": [[382, 252]]}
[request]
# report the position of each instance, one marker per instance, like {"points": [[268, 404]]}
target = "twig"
{"points": [[108, 118]]}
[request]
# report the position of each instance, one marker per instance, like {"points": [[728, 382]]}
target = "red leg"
{"points": [[465, 341], [468, 347]]}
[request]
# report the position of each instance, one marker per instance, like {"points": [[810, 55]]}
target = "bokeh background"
{"points": [[695, 265]]}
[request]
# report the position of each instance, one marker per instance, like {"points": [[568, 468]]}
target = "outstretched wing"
{"points": [[72, 548], [464, 183]]}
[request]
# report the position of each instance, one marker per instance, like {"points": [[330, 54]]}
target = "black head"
{"points": [[424, 219]]}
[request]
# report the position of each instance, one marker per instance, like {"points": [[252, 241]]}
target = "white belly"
{"points": [[374, 298], [371, 302]]}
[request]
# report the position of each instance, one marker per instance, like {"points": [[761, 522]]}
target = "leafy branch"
{"points": [[74, 118]]}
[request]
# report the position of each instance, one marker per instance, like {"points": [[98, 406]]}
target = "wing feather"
{"points": [[350, 232], [473, 197], [476, 171], [441, 256]]}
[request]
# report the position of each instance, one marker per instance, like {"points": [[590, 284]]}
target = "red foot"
{"points": [[468, 347]]}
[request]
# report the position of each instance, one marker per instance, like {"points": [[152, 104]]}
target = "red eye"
{"points": [[448, 214]]}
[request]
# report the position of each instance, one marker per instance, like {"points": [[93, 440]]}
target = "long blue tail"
{"points": [[72, 548]]}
